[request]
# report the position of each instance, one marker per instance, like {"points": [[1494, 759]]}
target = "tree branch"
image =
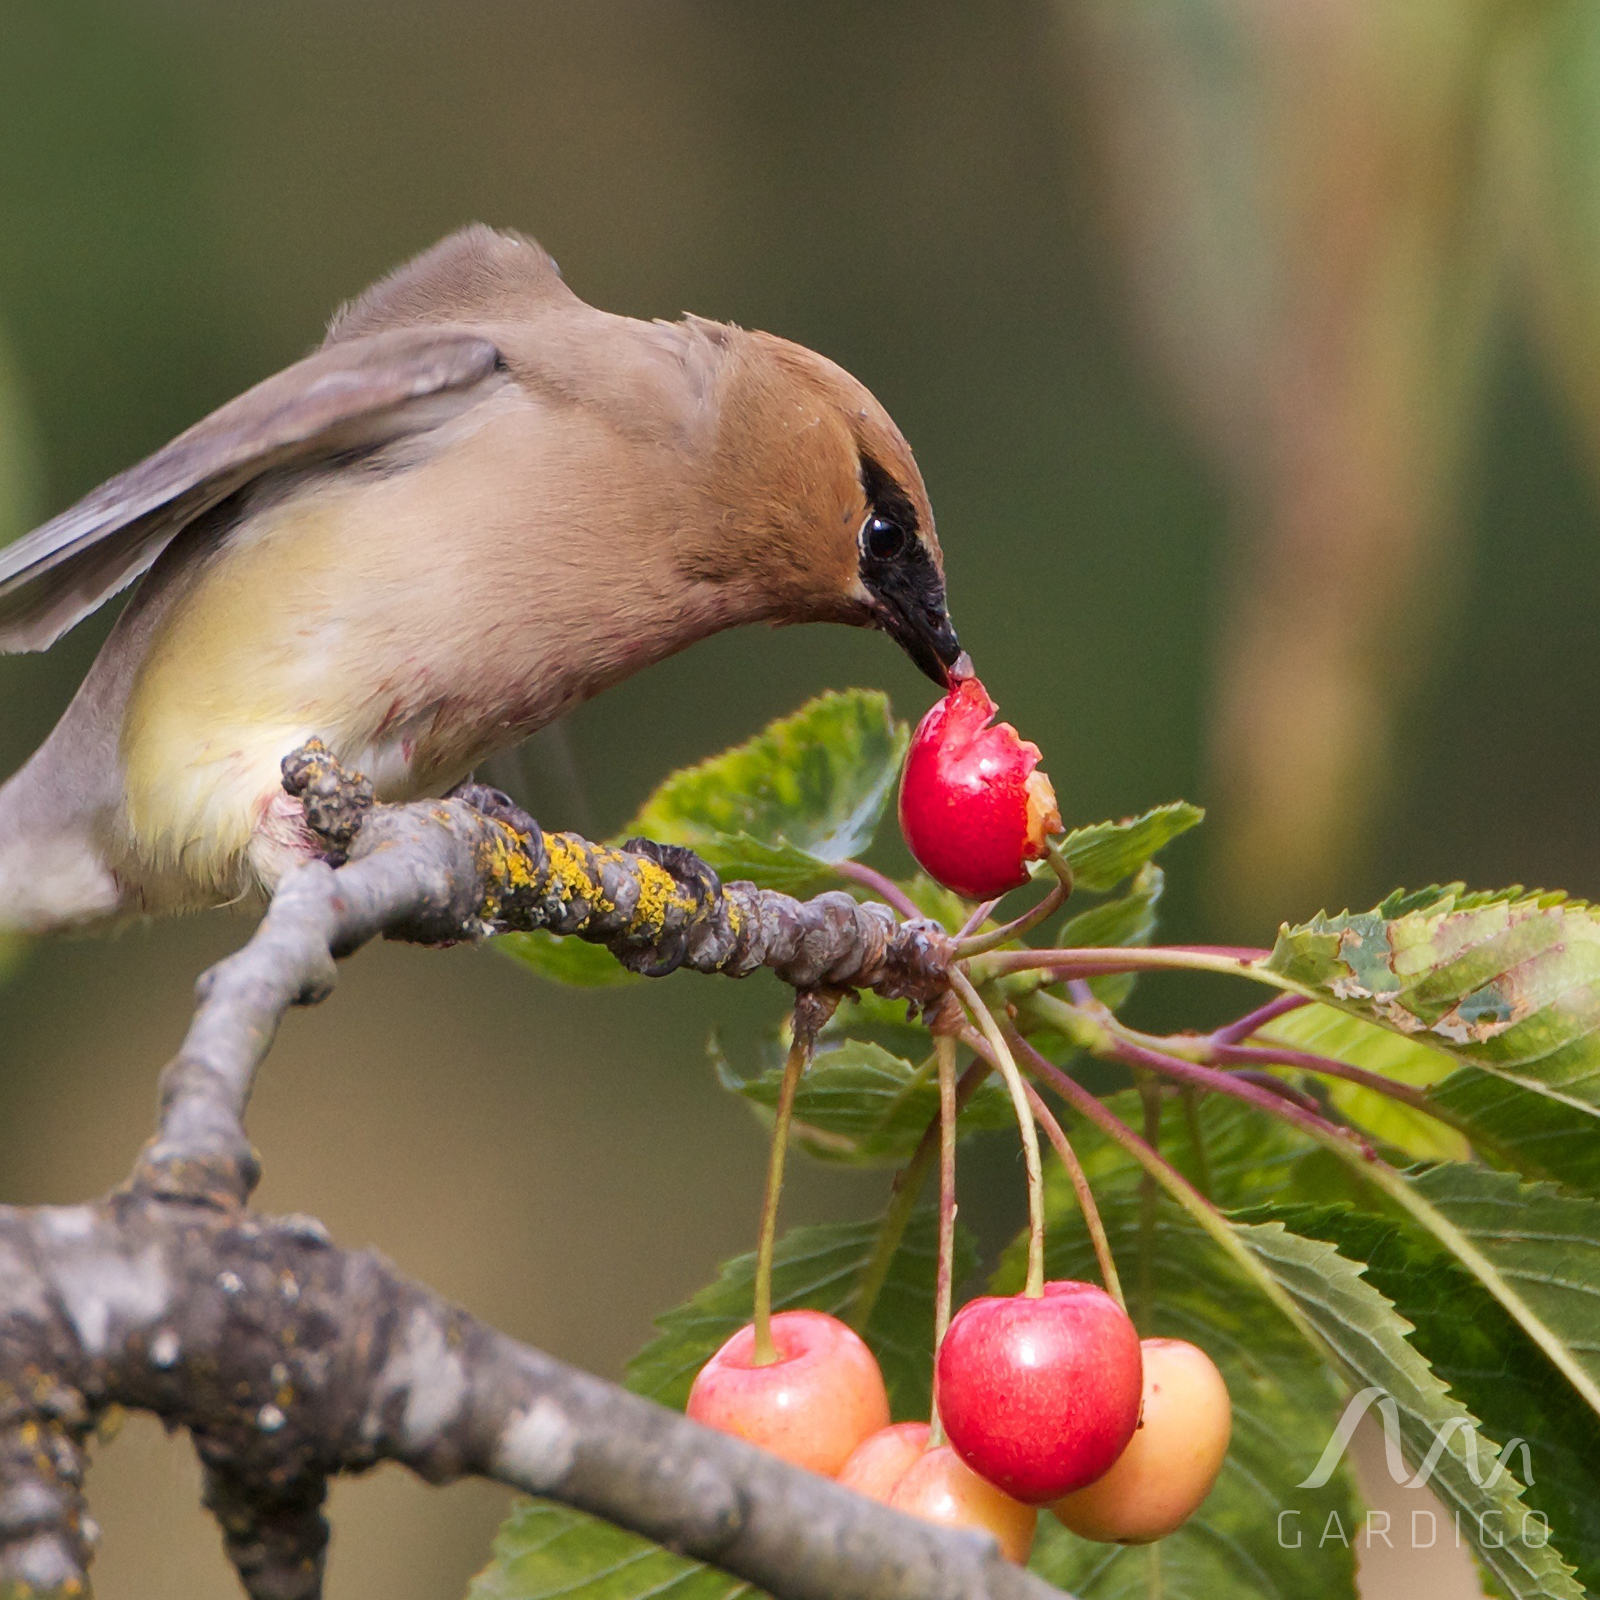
{"points": [[290, 1360]]}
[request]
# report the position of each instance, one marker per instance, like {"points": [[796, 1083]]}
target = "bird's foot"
{"points": [[335, 802], [497, 806]]}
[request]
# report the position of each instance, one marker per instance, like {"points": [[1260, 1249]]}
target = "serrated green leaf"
{"points": [[1324, 1030], [1285, 1402], [1105, 853], [817, 1268], [1541, 1137], [571, 961], [862, 1105], [1542, 1249], [1507, 981], [806, 792], [1369, 1337], [545, 1551], [1488, 1362]]}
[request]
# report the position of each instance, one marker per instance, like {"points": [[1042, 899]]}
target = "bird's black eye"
{"points": [[883, 539]]}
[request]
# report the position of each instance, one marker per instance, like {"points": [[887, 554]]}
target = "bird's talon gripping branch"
{"points": [[336, 802]]}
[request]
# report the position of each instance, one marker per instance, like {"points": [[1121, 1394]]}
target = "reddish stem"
{"points": [[1244, 1055], [885, 887], [1238, 1032]]}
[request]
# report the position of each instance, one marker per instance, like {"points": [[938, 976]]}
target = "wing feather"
{"points": [[351, 395]]}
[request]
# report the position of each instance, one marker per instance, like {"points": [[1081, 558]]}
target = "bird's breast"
{"points": [[415, 620]]}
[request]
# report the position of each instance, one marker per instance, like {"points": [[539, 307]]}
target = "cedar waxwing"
{"points": [[478, 503]]}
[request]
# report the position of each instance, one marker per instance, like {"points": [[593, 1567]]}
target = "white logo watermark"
{"points": [[1390, 1412], [1483, 1466]]}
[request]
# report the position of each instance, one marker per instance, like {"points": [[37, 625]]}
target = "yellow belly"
{"points": [[257, 653]]}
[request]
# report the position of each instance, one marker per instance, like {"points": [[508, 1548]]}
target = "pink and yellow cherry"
{"points": [[974, 807], [940, 1487], [1040, 1395], [1159, 1481], [882, 1459], [812, 1406]]}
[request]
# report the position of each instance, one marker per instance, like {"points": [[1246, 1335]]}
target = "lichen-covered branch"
{"points": [[290, 1360]]}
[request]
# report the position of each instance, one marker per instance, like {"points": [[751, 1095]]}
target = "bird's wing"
{"points": [[348, 396]]}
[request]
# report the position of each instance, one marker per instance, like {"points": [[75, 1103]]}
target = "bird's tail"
{"points": [[53, 873]]}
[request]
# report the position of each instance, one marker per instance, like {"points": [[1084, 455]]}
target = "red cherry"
{"points": [[939, 1488], [1040, 1396], [1159, 1481], [812, 1406], [973, 807], [882, 1459]]}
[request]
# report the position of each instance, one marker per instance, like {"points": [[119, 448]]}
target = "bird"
{"points": [[477, 503]]}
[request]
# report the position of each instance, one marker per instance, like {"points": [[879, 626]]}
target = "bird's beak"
{"points": [[921, 626]]}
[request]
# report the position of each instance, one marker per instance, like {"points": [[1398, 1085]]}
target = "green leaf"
{"points": [[544, 1551], [1369, 1337], [1507, 981], [1489, 1363], [818, 1268], [805, 793], [1102, 855], [862, 1105], [572, 961], [1285, 1401], [1539, 1136], [1542, 1253], [1325, 1031]]}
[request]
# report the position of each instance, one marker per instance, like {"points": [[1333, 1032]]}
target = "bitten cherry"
{"points": [[1170, 1464], [1040, 1395], [938, 1487], [974, 807], [882, 1459], [812, 1406]]}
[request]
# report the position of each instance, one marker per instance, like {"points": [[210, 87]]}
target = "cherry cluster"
{"points": [[1048, 1398], [1051, 1401]]}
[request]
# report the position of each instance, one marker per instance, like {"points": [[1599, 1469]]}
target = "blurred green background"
{"points": [[1250, 353]]}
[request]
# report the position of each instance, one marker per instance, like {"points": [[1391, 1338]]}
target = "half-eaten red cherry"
{"points": [[974, 806]]}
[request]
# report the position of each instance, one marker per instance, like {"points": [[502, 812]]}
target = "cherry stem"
{"points": [[1197, 1138], [1238, 1032], [880, 884], [982, 943], [945, 1050], [1205, 1214], [1068, 1158], [1112, 1042], [907, 1188], [977, 917], [766, 1352], [1240, 961], [1060, 866], [1150, 1100], [1235, 1055], [1034, 1287]]}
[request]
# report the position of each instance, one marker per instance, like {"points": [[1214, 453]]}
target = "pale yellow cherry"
{"points": [[1169, 1466]]}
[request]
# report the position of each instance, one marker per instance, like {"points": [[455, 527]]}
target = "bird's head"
{"points": [[822, 511]]}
